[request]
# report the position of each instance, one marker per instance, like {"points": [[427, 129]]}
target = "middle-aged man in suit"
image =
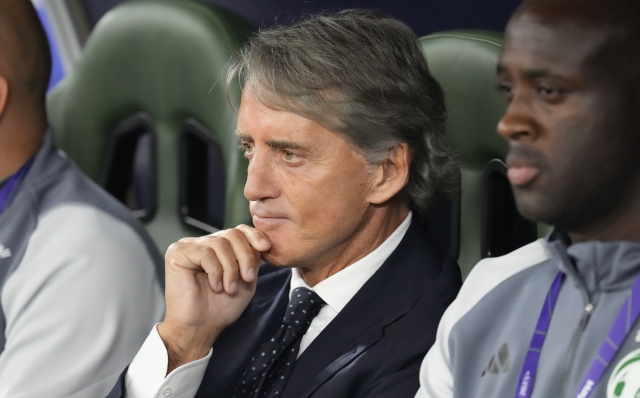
{"points": [[342, 124], [559, 317]]}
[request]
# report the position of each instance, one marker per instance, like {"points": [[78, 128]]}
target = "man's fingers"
{"points": [[247, 257], [211, 265], [257, 239], [228, 260], [196, 257], [225, 256]]}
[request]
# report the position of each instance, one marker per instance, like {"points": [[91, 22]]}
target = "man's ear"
{"points": [[4, 94], [391, 176]]}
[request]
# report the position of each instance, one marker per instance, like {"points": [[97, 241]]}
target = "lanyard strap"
{"points": [[618, 332], [528, 374], [13, 183]]}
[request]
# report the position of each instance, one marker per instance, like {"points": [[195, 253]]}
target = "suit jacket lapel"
{"points": [[384, 298]]}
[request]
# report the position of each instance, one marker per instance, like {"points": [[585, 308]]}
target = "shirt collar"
{"points": [[338, 289]]}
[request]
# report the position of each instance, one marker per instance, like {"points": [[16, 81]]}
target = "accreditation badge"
{"points": [[625, 378]]}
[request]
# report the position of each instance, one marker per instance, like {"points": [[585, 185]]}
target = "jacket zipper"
{"points": [[588, 310]]}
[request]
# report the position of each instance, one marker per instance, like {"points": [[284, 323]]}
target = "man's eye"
{"points": [[550, 92], [506, 89], [289, 155], [547, 90], [247, 147]]}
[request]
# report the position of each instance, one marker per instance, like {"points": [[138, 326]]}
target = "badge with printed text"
{"points": [[625, 379]]}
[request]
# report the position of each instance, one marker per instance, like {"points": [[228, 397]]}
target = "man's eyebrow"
{"points": [[277, 144], [243, 137], [530, 74], [536, 73]]}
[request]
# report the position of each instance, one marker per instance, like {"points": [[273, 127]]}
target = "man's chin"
{"points": [[275, 258], [276, 255], [537, 209]]}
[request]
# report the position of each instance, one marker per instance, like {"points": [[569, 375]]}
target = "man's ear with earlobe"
{"points": [[4, 94], [391, 175]]}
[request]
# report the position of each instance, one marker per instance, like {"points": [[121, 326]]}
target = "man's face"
{"points": [[571, 124], [307, 186]]}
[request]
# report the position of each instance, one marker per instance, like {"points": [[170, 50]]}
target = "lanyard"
{"points": [[528, 374], [618, 332], [13, 183]]}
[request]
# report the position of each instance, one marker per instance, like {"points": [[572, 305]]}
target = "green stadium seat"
{"points": [[145, 113]]}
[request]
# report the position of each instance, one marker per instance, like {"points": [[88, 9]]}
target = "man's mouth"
{"points": [[266, 219], [522, 174], [524, 165]]}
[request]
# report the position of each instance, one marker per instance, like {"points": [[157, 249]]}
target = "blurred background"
{"points": [[137, 99], [69, 22]]}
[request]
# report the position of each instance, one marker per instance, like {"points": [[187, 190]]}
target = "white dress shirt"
{"points": [[146, 375]]}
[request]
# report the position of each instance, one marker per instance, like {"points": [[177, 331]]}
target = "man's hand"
{"points": [[209, 282]]}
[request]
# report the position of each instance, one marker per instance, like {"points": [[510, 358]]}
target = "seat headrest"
{"points": [[464, 62], [165, 60], [161, 57]]}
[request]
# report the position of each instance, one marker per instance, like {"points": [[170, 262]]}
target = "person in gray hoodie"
{"points": [[80, 280], [559, 317]]}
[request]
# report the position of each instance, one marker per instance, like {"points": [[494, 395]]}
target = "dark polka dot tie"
{"points": [[270, 368]]}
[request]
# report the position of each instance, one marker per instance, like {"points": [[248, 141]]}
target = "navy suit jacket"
{"points": [[372, 348]]}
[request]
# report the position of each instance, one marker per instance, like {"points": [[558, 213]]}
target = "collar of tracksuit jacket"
{"points": [[595, 266]]}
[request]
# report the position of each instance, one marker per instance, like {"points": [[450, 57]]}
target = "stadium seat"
{"points": [[484, 221], [145, 113]]}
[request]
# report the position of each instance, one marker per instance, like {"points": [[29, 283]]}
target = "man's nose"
{"points": [[519, 122], [260, 179]]}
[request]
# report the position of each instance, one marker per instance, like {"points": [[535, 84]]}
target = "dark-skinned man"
{"points": [[342, 124], [558, 318], [79, 278]]}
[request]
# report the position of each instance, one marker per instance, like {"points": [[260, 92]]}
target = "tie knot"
{"points": [[303, 306]]}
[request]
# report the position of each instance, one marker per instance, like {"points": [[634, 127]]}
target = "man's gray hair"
{"points": [[363, 75]]}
